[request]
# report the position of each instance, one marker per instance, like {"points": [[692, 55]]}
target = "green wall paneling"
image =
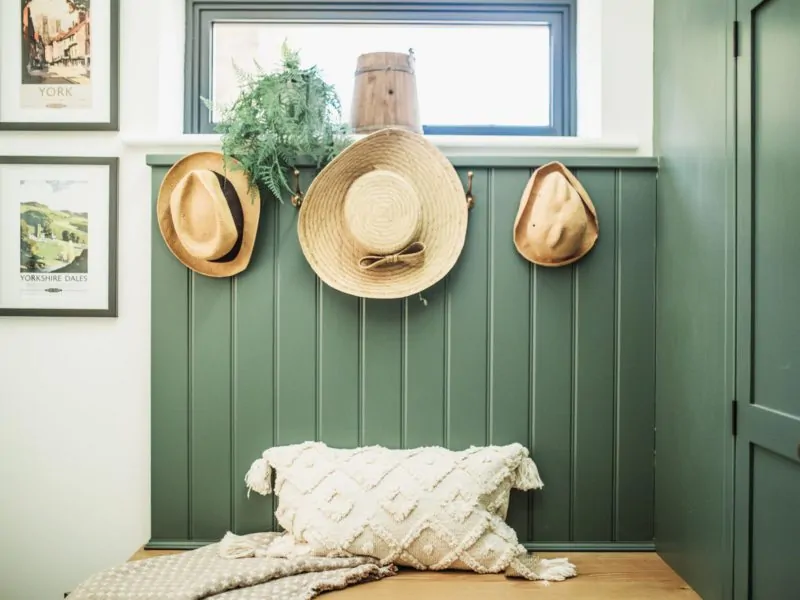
{"points": [[695, 314], [500, 351]]}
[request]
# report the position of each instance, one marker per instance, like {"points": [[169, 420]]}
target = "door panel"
{"points": [[768, 296], [776, 528], [776, 206]]}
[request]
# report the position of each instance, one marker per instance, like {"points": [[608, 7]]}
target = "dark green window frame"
{"points": [[560, 15]]}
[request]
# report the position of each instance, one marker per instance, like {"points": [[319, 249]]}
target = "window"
{"points": [[482, 68]]}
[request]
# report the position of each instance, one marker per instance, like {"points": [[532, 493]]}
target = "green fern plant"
{"points": [[279, 117]]}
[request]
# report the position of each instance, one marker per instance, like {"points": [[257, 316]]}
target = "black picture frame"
{"points": [[112, 163], [112, 124]]}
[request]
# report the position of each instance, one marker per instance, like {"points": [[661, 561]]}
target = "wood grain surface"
{"points": [[601, 575]]}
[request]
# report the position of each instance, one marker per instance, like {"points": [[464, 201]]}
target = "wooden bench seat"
{"points": [[601, 575]]}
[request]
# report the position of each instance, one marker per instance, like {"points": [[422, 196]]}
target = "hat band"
{"points": [[411, 255], [235, 206]]}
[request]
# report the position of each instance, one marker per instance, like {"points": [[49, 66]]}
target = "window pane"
{"points": [[467, 74]]}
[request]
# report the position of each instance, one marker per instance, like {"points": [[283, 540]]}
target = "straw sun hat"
{"points": [[207, 214], [556, 222], [386, 218]]}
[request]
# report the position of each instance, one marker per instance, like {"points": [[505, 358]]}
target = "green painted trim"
{"points": [[535, 547], [113, 221], [590, 546], [561, 15], [113, 118], [741, 583], [573, 162], [177, 544], [774, 430], [728, 569], [477, 161]]}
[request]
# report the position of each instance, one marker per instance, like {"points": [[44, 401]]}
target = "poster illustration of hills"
{"points": [[54, 236], [56, 54]]}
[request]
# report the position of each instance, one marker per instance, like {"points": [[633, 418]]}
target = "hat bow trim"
{"points": [[411, 255]]}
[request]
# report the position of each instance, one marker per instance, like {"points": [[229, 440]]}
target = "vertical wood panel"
{"points": [[593, 444], [533, 295], [498, 352], [296, 330], [553, 364], [254, 372], [467, 300], [635, 414], [423, 419], [169, 413], [509, 350], [382, 368], [211, 407], [338, 368]]}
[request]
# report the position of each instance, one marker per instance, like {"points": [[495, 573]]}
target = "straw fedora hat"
{"points": [[386, 218], [207, 214], [556, 222]]}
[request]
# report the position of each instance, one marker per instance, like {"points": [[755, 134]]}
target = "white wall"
{"points": [[627, 69], [74, 421], [74, 435]]}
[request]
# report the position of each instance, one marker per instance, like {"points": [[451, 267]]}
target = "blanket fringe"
{"points": [[541, 569], [555, 569], [237, 546], [259, 477]]}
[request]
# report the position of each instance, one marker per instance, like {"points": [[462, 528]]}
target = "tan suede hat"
{"points": [[207, 214], [556, 222], [386, 218]]}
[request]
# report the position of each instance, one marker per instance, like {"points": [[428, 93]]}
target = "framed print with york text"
{"points": [[58, 236], [59, 65]]}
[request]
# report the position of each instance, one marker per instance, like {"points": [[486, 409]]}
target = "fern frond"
{"points": [[278, 117]]}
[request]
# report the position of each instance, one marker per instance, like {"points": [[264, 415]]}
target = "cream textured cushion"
{"points": [[426, 508]]}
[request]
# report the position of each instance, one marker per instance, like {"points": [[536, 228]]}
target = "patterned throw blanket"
{"points": [[237, 568]]}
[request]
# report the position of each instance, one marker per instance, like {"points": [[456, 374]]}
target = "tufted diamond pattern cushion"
{"points": [[426, 508]]}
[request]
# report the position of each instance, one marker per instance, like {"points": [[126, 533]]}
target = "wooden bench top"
{"points": [[601, 575]]}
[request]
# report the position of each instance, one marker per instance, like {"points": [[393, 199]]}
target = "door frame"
{"points": [[732, 279], [743, 193]]}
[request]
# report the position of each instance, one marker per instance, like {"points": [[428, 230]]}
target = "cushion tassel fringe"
{"points": [[527, 476], [259, 477]]}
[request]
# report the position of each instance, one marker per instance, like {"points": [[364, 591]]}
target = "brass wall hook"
{"points": [[297, 197], [470, 197]]}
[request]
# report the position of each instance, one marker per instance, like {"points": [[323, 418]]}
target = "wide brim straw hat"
{"points": [[556, 223], [208, 214], [386, 218]]}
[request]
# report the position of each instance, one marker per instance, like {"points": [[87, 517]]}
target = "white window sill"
{"points": [[452, 145]]}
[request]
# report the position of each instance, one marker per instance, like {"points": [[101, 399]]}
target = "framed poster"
{"points": [[59, 65], [58, 236]]}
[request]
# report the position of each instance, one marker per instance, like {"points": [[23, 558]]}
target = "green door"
{"points": [[767, 502]]}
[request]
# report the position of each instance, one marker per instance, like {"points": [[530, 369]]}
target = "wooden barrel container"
{"points": [[385, 93]]}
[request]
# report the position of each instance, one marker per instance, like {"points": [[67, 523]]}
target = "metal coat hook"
{"points": [[470, 197], [297, 197]]}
